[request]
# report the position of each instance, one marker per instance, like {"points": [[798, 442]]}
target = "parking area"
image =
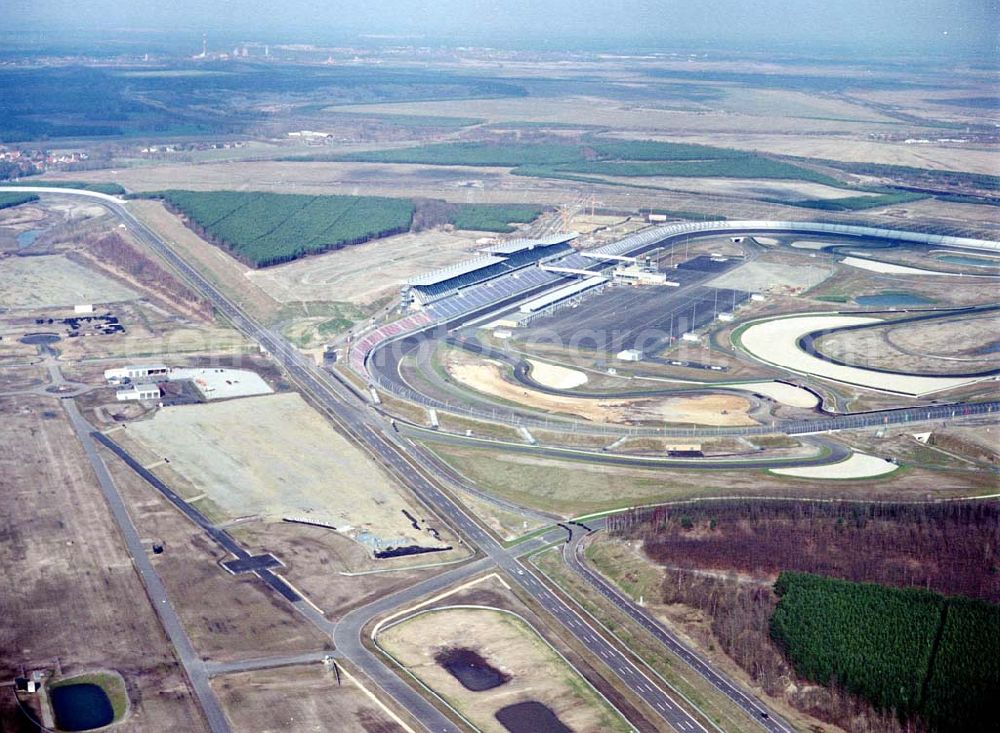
{"points": [[624, 317]]}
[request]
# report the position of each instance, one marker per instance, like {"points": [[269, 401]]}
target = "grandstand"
{"points": [[559, 296], [496, 261]]}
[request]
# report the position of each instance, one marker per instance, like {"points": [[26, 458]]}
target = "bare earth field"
{"points": [[227, 616], [508, 644], [301, 699], [274, 456], [487, 377], [47, 281], [70, 591], [363, 273]]}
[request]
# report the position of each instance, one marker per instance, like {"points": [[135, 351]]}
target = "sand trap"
{"points": [[859, 465], [712, 409], [556, 377], [765, 240], [786, 394], [889, 268], [775, 342]]}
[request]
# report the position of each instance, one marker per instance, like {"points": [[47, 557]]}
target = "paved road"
{"points": [[155, 590], [573, 554], [401, 458], [412, 466]]}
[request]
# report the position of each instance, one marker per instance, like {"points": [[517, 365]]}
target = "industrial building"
{"points": [[493, 262], [135, 373], [641, 275], [138, 392]]}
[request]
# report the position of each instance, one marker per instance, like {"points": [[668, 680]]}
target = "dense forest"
{"points": [[905, 650], [722, 558], [7, 200], [265, 229]]}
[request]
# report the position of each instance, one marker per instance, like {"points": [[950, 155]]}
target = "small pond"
{"points": [[530, 717], [469, 668], [27, 238], [36, 339], [83, 706], [892, 300]]}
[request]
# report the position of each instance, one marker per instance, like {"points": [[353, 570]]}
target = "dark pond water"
{"points": [[81, 707], [474, 672], [40, 338], [530, 717], [26, 239], [892, 300]]}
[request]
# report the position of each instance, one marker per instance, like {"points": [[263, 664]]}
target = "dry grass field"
{"points": [[29, 283], [71, 596], [537, 672], [274, 456], [571, 488], [306, 699], [364, 273], [943, 346]]}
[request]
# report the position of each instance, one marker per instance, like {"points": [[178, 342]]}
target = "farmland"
{"points": [[629, 158], [266, 228], [880, 643]]}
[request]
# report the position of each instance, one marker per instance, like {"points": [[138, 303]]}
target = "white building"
{"points": [[135, 372], [629, 355], [138, 392]]}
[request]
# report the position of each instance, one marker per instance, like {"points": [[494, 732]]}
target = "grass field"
{"points": [[537, 672], [307, 698], [266, 228]]}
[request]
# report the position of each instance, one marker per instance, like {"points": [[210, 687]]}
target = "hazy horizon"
{"points": [[965, 28]]}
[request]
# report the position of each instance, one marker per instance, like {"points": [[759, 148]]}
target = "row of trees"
{"points": [[145, 270], [268, 228], [952, 548]]}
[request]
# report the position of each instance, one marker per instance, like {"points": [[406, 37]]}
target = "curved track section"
{"points": [[379, 356]]}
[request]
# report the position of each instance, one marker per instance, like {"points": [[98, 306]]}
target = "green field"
{"points": [[493, 217], [906, 650], [7, 200], [627, 158], [856, 203], [269, 228], [112, 189]]}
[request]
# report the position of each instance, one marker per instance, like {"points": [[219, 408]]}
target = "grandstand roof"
{"points": [[554, 296], [518, 245], [447, 273]]}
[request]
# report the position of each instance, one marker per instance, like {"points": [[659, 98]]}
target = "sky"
{"points": [[942, 25]]}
